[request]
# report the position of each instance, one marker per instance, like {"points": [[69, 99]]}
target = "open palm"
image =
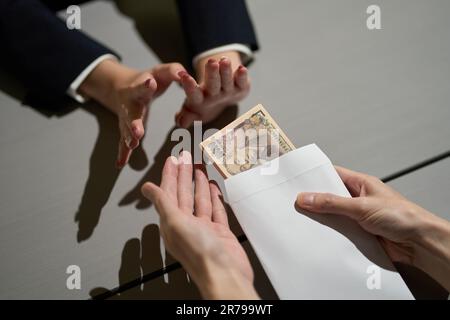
{"points": [[195, 227]]}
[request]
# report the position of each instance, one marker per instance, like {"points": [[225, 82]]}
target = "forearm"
{"points": [[432, 253], [58, 54]]}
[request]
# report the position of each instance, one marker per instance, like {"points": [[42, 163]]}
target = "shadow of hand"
{"points": [[142, 258], [154, 173], [102, 171]]}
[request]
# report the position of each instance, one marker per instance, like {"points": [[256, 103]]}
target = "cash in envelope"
{"points": [[249, 141]]}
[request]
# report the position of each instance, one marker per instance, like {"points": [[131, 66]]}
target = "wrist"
{"points": [[434, 236], [432, 248], [105, 81], [219, 281]]}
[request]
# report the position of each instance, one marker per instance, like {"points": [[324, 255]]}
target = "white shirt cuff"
{"points": [[73, 88], [245, 51]]}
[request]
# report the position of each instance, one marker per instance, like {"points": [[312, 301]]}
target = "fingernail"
{"points": [[223, 58], [307, 199], [185, 157], [241, 67], [211, 60], [136, 132], [182, 73], [174, 160]]}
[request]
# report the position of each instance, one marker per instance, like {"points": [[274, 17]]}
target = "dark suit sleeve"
{"points": [[208, 24], [40, 50]]}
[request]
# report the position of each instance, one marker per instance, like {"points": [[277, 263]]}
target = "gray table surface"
{"points": [[375, 101]]}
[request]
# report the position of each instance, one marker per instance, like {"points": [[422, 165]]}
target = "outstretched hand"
{"points": [[219, 86], [134, 97], [195, 231]]}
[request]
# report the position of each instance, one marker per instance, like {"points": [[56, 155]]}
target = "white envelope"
{"points": [[309, 256]]}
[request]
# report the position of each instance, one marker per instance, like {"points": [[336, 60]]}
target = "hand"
{"points": [[128, 93], [195, 231], [407, 232], [134, 98], [221, 84]]}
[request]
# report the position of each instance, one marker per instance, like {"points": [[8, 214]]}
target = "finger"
{"points": [[136, 127], [212, 77], [193, 92], [143, 88], [130, 141], [168, 72], [142, 92], [169, 178], [354, 181], [226, 74], [165, 206], [186, 118], [331, 203], [132, 117], [123, 155], [203, 206], [219, 214], [165, 74], [241, 78], [349, 175], [185, 198]]}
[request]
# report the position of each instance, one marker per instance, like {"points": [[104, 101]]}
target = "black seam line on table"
{"points": [[148, 277], [243, 237], [136, 282], [417, 166]]}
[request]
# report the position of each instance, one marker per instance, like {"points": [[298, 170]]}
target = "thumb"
{"points": [[165, 74], [330, 203]]}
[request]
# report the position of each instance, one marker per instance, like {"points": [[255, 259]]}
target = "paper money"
{"points": [[249, 141]]}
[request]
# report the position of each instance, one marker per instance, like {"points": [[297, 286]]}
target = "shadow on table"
{"points": [[102, 171], [151, 19], [141, 257], [421, 285], [140, 275], [154, 173]]}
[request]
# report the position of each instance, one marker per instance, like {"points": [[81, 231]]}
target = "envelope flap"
{"points": [[274, 172]]}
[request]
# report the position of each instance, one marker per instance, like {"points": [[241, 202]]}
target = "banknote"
{"points": [[251, 140]]}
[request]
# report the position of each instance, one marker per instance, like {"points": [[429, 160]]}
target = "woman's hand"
{"points": [[128, 93], [408, 233], [195, 231], [222, 82]]}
